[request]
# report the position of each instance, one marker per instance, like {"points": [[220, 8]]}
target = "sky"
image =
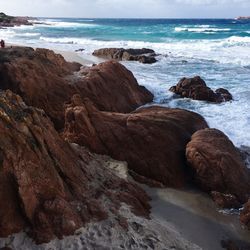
{"points": [[127, 8]]}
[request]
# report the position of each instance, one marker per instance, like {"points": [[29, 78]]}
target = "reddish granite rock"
{"points": [[152, 140], [218, 165], [48, 186], [196, 88], [225, 200], [45, 80], [111, 87], [245, 215], [142, 55]]}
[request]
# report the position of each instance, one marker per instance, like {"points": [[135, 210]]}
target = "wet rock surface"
{"points": [[245, 154], [196, 88], [146, 56], [245, 215]]}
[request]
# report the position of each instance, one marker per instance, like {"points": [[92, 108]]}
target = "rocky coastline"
{"points": [[11, 21], [60, 119]]}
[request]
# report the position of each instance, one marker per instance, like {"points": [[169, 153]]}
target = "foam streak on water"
{"points": [[217, 50]]}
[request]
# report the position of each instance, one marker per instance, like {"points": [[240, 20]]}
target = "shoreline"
{"points": [[195, 216], [69, 56]]}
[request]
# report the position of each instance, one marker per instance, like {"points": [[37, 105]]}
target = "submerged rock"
{"points": [[142, 55], [45, 80], [152, 140], [196, 88], [49, 187], [245, 215], [245, 154], [218, 166]]}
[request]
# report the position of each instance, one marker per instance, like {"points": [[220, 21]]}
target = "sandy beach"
{"points": [[69, 56]]}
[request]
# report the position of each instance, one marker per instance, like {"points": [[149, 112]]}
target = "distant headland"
{"points": [[11, 21], [243, 18]]}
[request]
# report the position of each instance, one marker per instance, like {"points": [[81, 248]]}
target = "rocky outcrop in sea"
{"points": [[147, 56], [11, 21], [196, 89]]}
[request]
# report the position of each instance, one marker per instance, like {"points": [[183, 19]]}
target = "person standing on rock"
{"points": [[2, 44]]}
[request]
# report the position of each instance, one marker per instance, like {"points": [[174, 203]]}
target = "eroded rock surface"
{"points": [[45, 80], [142, 55], [196, 88], [218, 166], [152, 140], [49, 187]]}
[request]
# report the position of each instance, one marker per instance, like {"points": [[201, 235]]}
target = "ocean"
{"points": [[216, 49]]}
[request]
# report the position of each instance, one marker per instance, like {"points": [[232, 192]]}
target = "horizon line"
{"points": [[229, 18]]}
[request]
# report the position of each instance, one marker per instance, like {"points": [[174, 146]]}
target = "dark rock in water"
{"points": [[218, 166], [196, 88], [79, 50], [142, 55], [51, 187], [152, 140], [224, 94], [245, 215], [45, 80], [147, 59], [245, 154]]}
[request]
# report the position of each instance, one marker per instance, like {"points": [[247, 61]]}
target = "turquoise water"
{"points": [[217, 50]]}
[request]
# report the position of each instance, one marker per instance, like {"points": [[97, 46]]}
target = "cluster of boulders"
{"points": [[45, 80], [152, 140], [56, 186], [196, 89], [170, 146], [147, 56], [11, 21]]}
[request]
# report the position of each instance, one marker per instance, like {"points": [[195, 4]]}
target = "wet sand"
{"points": [[196, 217]]}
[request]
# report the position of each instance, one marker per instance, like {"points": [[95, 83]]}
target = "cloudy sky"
{"points": [[127, 8]]}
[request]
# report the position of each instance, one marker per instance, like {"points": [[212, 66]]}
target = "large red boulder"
{"points": [[218, 166], [48, 186], [152, 140], [196, 88], [45, 80], [112, 87]]}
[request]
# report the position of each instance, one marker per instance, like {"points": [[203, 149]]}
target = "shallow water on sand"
{"points": [[195, 216]]}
